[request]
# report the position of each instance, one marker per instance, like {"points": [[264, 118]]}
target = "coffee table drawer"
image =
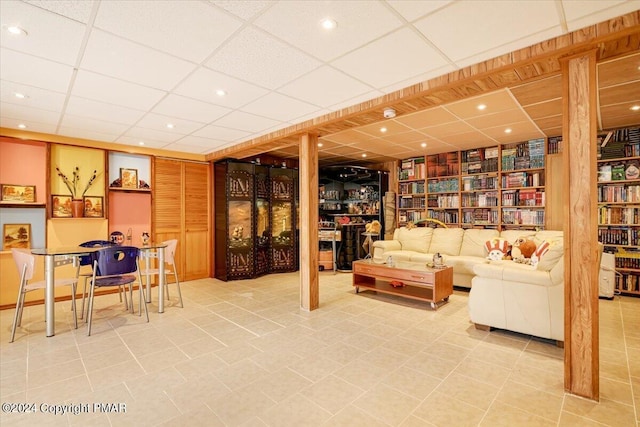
{"points": [[382, 272]]}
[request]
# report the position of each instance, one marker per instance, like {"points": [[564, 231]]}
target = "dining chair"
{"points": [[113, 266], [85, 260], [25, 263], [169, 258]]}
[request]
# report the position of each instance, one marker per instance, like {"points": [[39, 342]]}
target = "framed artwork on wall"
{"points": [[93, 207], [18, 193], [16, 236], [129, 178], [60, 206]]}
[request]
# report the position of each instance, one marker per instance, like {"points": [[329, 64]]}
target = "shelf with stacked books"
{"points": [[619, 203], [443, 187], [522, 184], [480, 183], [411, 195]]}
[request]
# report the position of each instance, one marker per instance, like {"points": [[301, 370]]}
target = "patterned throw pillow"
{"points": [[496, 249]]}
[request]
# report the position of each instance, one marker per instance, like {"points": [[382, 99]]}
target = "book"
{"points": [[604, 173]]}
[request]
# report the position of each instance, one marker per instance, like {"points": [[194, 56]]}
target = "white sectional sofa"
{"points": [[504, 294]]}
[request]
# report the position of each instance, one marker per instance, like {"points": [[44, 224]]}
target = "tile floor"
{"points": [[243, 354]]}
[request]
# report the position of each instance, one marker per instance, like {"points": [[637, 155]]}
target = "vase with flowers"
{"points": [[74, 187]]}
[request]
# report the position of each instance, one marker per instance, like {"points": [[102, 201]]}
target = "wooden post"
{"points": [[308, 155], [581, 334]]}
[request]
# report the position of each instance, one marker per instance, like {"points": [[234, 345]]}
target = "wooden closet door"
{"points": [[197, 208]]}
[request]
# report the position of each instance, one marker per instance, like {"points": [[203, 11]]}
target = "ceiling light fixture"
{"points": [[481, 107], [635, 108], [220, 92], [22, 126], [328, 23], [320, 144], [170, 125], [389, 113], [507, 130], [141, 143], [16, 31], [383, 130], [423, 145], [364, 154]]}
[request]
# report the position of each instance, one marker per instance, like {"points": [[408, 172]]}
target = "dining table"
{"points": [[55, 257], [154, 250]]}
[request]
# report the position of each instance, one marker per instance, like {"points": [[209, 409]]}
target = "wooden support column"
{"points": [[581, 252], [308, 155]]}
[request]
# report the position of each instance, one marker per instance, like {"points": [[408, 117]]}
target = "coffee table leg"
{"points": [[357, 289], [434, 305]]}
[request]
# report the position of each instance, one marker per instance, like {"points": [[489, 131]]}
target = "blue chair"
{"points": [[87, 260], [113, 266]]}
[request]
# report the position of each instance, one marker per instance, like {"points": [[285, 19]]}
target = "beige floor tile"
{"points": [[200, 416], [341, 352], [541, 379], [501, 414], [295, 411], [113, 375], [441, 410], [40, 377], [282, 384], [240, 374], [468, 390], [531, 399], [315, 368], [193, 393], [332, 393], [68, 389], [411, 382], [352, 416], [387, 404], [568, 419], [606, 411], [483, 371], [618, 391], [432, 365]]}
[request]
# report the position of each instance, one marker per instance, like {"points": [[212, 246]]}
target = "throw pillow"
{"points": [[548, 255], [497, 249]]}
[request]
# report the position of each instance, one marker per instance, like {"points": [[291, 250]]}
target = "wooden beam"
{"points": [[309, 295], [581, 251]]}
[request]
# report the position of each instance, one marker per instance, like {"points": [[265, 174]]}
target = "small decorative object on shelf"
{"points": [[16, 236], [145, 238], [129, 178], [18, 193], [117, 237], [60, 206], [73, 185]]}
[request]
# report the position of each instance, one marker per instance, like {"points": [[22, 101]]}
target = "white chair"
{"points": [[25, 263], [169, 258]]}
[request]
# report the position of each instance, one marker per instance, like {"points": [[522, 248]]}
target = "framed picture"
{"points": [[18, 193], [93, 207], [129, 178], [16, 236], [60, 206]]}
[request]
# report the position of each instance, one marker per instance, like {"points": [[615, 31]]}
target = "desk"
{"points": [[149, 253], [49, 276]]}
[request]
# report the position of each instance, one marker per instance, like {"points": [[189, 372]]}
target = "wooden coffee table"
{"points": [[420, 282]]}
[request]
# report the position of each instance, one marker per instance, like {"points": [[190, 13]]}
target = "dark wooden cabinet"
{"points": [[255, 220]]}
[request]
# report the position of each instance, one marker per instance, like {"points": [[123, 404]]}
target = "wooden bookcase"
{"points": [[619, 203], [443, 187], [480, 188]]}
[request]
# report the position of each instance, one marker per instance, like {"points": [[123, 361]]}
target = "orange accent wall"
{"points": [[30, 170], [130, 210]]}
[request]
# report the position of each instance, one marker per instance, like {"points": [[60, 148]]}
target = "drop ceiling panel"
{"points": [[495, 102], [35, 115], [348, 137], [146, 134], [381, 63], [189, 109], [324, 86], [181, 29], [265, 60], [35, 97], [196, 141], [203, 84], [345, 151], [629, 92], [619, 71], [26, 69], [425, 118], [50, 36], [544, 109], [412, 10], [243, 9], [619, 115], [462, 138], [299, 23], [503, 118], [579, 13], [99, 110], [519, 132], [447, 129], [91, 134], [33, 126], [287, 108], [245, 121], [391, 126], [221, 134], [114, 91], [184, 148], [538, 91], [547, 123], [76, 10], [406, 138], [133, 141], [159, 123], [123, 59], [70, 121]]}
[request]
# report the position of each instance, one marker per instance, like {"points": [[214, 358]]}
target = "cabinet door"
{"points": [[197, 249]]}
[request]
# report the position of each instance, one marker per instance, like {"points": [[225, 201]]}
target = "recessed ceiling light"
{"points": [[220, 92], [364, 154], [383, 130], [507, 130], [635, 108], [320, 144], [328, 23], [16, 31], [22, 126], [170, 125], [141, 143], [481, 107], [423, 145], [19, 95]]}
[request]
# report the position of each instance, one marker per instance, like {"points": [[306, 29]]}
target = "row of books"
{"points": [[554, 145], [448, 201], [412, 188], [480, 166], [618, 236], [525, 155], [523, 179], [628, 260], [523, 216], [448, 217], [619, 171], [411, 202], [443, 186], [628, 283], [523, 198], [480, 216], [442, 170], [619, 215], [480, 200], [479, 182], [412, 169], [619, 193], [413, 216], [479, 154]]}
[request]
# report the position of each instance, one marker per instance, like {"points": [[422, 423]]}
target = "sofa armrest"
{"points": [[512, 272], [382, 246], [490, 271]]}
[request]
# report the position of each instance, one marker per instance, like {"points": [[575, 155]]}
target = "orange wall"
{"points": [[31, 170], [130, 210]]}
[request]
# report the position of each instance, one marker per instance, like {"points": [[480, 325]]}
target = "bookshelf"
{"points": [[480, 187], [412, 202], [443, 187], [619, 203]]}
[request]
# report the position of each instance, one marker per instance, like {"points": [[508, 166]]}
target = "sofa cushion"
{"points": [[512, 235], [473, 242], [400, 255], [464, 264], [550, 236], [446, 241], [415, 239], [551, 258]]}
